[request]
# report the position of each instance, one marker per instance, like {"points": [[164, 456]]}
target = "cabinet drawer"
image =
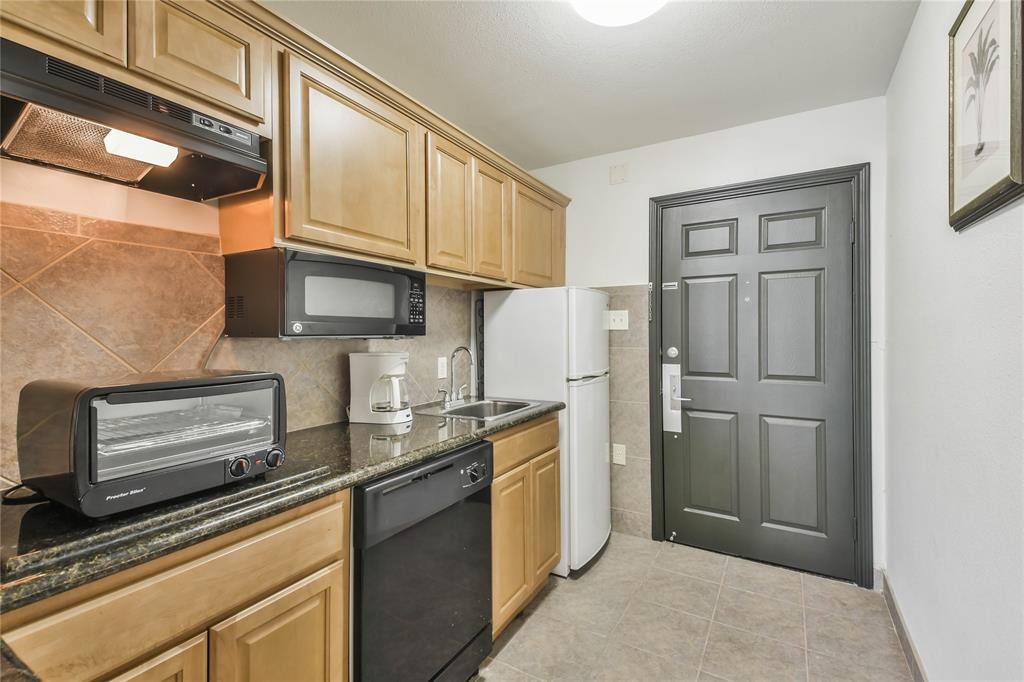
{"points": [[513, 447], [202, 50], [102, 634]]}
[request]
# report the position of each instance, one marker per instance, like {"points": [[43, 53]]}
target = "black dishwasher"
{"points": [[423, 570]]}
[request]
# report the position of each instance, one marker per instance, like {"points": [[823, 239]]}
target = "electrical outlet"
{"points": [[442, 368], [618, 319], [618, 454]]}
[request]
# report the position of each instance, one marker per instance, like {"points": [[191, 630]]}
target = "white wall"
{"points": [[607, 225], [955, 390], [24, 183]]}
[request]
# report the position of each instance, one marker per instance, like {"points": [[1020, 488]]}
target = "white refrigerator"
{"points": [[552, 344]]}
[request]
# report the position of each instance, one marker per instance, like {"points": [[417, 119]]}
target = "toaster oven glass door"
{"points": [[139, 432]]}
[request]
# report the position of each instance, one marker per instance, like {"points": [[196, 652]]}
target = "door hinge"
{"points": [[853, 231], [855, 529], [650, 302]]}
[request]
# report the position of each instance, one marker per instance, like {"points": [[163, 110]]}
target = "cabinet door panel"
{"points": [[97, 26], [202, 50], [538, 240], [354, 168], [183, 663], [449, 205], [298, 633], [512, 566], [546, 515], [492, 221]]}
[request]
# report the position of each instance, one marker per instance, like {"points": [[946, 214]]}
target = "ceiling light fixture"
{"points": [[611, 13], [139, 148]]}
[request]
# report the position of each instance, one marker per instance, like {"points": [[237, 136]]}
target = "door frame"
{"points": [[859, 178]]}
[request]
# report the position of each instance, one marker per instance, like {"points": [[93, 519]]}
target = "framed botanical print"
{"points": [[986, 146]]}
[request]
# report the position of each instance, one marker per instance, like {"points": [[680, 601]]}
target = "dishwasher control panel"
{"points": [[473, 473]]}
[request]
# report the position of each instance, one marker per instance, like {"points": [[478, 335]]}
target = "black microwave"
{"points": [[287, 293], [108, 446]]}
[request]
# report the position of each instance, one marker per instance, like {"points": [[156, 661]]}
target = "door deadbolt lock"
{"points": [[672, 352]]}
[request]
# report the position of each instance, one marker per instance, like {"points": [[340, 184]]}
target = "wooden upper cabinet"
{"points": [[183, 663], [449, 205], [546, 517], [492, 221], [512, 562], [354, 167], [296, 634], [202, 50], [538, 240], [96, 26]]}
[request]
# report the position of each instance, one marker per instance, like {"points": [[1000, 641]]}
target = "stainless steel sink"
{"points": [[486, 409]]}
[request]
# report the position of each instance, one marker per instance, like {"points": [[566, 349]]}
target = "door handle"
{"points": [[675, 400]]}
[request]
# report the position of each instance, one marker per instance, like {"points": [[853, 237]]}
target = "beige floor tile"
{"points": [[839, 597], [631, 548], [855, 638], [770, 581], [637, 524], [549, 649], [496, 671], [678, 591], [691, 561], [737, 655], [828, 669], [595, 605], [662, 631], [708, 677], [623, 663], [764, 616]]}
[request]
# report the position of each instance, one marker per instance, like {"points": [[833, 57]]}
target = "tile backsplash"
{"points": [[630, 412], [83, 297]]}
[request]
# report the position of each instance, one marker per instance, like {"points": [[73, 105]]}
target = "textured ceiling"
{"points": [[543, 86]]}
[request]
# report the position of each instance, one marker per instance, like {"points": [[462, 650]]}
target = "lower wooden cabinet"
{"points": [[526, 516], [511, 543], [183, 663], [297, 634], [546, 521], [268, 601]]}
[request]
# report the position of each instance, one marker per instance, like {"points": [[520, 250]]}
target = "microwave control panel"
{"points": [[417, 302]]}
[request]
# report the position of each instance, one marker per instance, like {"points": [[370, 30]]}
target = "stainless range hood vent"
{"points": [[58, 139]]}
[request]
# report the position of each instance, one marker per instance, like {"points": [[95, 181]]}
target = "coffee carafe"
{"points": [[380, 394]]}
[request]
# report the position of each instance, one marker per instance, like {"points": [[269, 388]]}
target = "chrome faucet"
{"points": [[450, 395]]}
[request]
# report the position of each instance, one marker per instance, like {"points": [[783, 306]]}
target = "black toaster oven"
{"points": [[106, 447]]}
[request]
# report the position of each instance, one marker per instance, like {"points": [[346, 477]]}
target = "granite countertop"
{"points": [[47, 549]]}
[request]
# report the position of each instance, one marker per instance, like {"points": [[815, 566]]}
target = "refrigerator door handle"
{"points": [[587, 377]]}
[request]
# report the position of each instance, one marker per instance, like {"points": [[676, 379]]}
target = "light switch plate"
{"points": [[442, 368], [617, 319], [618, 174], [618, 453]]}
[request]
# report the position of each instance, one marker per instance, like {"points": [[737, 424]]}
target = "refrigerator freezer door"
{"points": [[525, 343], [588, 337], [590, 508]]}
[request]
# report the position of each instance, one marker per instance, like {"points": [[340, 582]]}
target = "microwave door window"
{"points": [[137, 437], [349, 297]]}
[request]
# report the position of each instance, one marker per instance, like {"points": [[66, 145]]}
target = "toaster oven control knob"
{"points": [[239, 467], [275, 458]]}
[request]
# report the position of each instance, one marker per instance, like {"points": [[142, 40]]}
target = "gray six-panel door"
{"points": [[757, 326]]}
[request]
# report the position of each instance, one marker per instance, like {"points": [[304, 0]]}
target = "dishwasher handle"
{"points": [[388, 505]]}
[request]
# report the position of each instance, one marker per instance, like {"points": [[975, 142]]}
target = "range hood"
{"points": [[60, 115]]}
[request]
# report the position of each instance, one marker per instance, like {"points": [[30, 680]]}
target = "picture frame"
{"points": [[986, 117]]}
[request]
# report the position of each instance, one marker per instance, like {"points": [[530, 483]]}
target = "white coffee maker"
{"points": [[379, 392]]}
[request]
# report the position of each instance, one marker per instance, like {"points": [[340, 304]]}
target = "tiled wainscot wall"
{"points": [[82, 297], [630, 413]]}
